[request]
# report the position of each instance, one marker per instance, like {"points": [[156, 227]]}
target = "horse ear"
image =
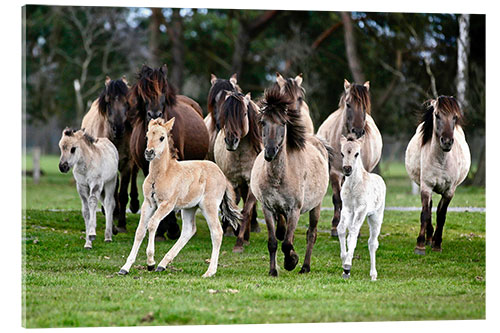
{"points": [[234, 80], [124, 80], [367, 85], [213, 78], [347, 85], [433, 103], [247, 99], [67, 131], [107, 81], [280, 80], [169, 124], [164, 70], [299, 79]]}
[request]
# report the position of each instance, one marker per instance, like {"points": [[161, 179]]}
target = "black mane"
{"points": [[115, 88]]}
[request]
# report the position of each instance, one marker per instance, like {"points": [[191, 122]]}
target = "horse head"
{"points": [[355, 102], [113, 105]]}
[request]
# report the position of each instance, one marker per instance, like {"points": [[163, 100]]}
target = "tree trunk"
{"points": [[463, 59], [175, 32], [350, 48], [154, 36], [249, 29], [480, 176]]}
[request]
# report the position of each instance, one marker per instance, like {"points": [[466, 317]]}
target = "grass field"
{"points": [[66, 286]]}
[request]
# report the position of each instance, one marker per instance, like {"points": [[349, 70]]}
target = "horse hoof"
{"points": [[122, 230], [305, 269], [115, 230], [160, 238], [122, 272], [255, 228], [273, 272], [334, 232], [437, 249], [347, 268], [291, 262], [107, 240], [87, 247], [346, 276], [420, 251], [159, 269], [134, 206], [237, 249], [151, 268], [92, 238]]}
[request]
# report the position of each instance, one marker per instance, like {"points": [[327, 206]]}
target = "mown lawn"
{"points": [[66, 286]]}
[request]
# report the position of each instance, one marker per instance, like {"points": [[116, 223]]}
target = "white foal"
{"points": [[95, 168], [363, 195]]}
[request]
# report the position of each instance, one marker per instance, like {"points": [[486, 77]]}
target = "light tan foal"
{"points": [[185, 185]]}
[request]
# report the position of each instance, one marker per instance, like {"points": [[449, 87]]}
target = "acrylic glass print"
{"points": [[216, 166]]}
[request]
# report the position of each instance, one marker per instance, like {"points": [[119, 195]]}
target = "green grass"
{"points": [[67, 286]]}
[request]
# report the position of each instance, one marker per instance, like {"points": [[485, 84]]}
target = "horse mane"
{"points": [[219, 87], [447, 105], [231, 115], [280, 109], [115, 88], [360, 97], [291, 88], [89, 139], [151, 84]]}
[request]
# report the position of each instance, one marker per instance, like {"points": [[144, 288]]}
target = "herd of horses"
{"points": [[257, 151]]}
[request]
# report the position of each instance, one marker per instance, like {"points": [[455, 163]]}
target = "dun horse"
{"points": [[352, 118], [185, 185], [95, 167], [236, 147], [289, 177], [154, 97], [216, 96], [107, 118], [363, 195], [292, 88], [438, 159]]}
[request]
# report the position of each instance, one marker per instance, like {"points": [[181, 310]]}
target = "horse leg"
{"points": [[345, 218], [170, 226], [281, 227], [291, 258], [425, 217], [163, 210], [352, 240], [123, 200], [134, 195], [147, 211], [250, 203], [440, 220], [109, 206], [188, 231], [95, 193], [272, 242], [375, 222], [311, 238], [210, 213], [335, 180], [83, 192]]}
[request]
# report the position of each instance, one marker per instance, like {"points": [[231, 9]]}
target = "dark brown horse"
{"points": [[151, 97], [107, 118]]}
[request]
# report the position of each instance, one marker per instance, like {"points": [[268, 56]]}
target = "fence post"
{"points": [[36, 165]]}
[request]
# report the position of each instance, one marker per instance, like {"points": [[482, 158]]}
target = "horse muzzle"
{"points": [[64, 167], [446, 143], [232, 144], [149, 154], [347, 170], [270, 153], [359, 132]]}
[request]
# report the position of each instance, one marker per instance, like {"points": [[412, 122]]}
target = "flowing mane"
{"points": [[115, 88], [360, 97], [292, 89], [151, 86], [445, 104], [231, 115], [217, 94], [280, 109]]}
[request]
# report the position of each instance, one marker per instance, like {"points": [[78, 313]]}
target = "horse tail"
{"points": [[329, 151], [230, 212]]}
